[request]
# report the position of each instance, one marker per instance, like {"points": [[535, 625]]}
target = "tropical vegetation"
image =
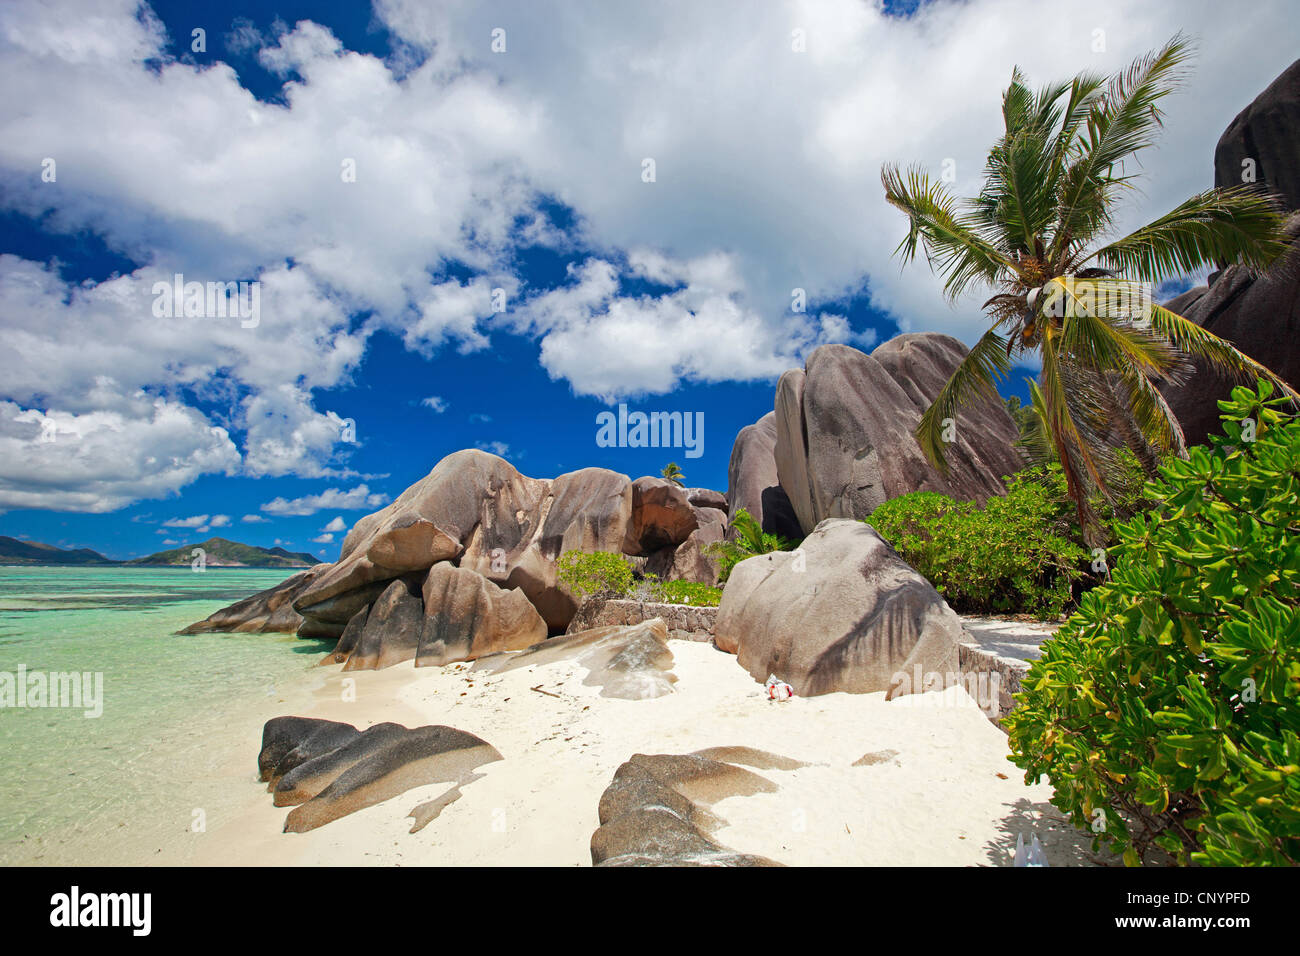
{"points": [[745, 539], [610, 575], [1166, 711], [1070, 295]]}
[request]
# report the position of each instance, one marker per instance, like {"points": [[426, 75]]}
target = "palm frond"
{"points": [[1099, 325], [951, 244], [1035, 441], [1120, 123], [1242, 225], [1219, 353]]}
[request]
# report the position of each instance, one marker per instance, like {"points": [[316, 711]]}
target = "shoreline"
{"points": [[918, 781]]}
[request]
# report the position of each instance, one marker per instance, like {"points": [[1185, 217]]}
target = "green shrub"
{"points": [[606, 574], [601, 573], [748, 539], [1017, 553], [686, 592], [1166, 712]]}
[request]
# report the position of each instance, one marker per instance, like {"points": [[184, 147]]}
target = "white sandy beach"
{"points": [[938, 792]]}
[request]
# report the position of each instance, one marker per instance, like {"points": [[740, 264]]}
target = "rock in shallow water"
{"points": [[266, 611]]}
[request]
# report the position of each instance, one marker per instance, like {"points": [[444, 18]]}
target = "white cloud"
{"points": [[438, 405], [767, 180], [100, 461], [338, 524], [773, 156], [220, 521], [498, 448], [355, 499], [254, 519], [323, 539], [192, 522]]}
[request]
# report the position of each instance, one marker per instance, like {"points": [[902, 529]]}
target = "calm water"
{"points": [[163, 694]]}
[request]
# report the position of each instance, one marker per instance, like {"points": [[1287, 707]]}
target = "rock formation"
{"points": [[662, 516], [266, 611], [494, 536], [1260, 315], [1262, 144], [632, 662], [752, 481], [845, 423], [346, 770], [466, 616], [654, 812], [844, 613]]}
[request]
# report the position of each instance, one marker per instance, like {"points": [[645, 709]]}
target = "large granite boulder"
{"points": [[752, 481], [691, 560], [586, 510], [707, 498], [290, 741], [843, 613], [845, 426], [662, 516], [1266, 132], [1260, 315], [632, 662], [391, 631], [475, 509], [266, 611], [429, 522], [466, 616]]}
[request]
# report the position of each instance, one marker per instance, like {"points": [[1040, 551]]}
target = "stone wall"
{"points": [[685, 622]]}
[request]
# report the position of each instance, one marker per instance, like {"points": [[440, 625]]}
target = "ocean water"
{"points": [[64, 776]]}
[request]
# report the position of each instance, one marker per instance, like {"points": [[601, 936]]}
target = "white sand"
{"points": [[949, 796]]}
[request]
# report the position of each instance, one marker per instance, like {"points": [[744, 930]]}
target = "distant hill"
{"points": [[13, 551], [220, 553]]}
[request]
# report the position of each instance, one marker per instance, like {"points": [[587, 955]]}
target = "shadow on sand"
{"points": [[1064, 844]]}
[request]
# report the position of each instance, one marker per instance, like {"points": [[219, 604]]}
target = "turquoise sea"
{"points": [[64, 776]]}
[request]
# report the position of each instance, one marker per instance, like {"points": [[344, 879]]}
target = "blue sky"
{"points": [[520, 169]]}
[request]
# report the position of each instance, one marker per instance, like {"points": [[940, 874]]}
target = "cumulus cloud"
{"points": [[767, 180], [436, 404], [323, 539], [338, 524], [99, 461], [192, 522], [254, 519], [355, 499]]}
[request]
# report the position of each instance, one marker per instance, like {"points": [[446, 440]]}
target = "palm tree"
{"points": [[1038, 234], [673, 474]]}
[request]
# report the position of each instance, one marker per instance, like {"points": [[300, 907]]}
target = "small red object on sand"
{"points": [[778, 689]]}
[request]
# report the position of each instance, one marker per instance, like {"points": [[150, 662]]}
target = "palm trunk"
{"points": [[1076, 486], [1122, 421]]}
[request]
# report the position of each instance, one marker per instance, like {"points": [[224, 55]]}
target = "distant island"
{"points": [[218, 553]]}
